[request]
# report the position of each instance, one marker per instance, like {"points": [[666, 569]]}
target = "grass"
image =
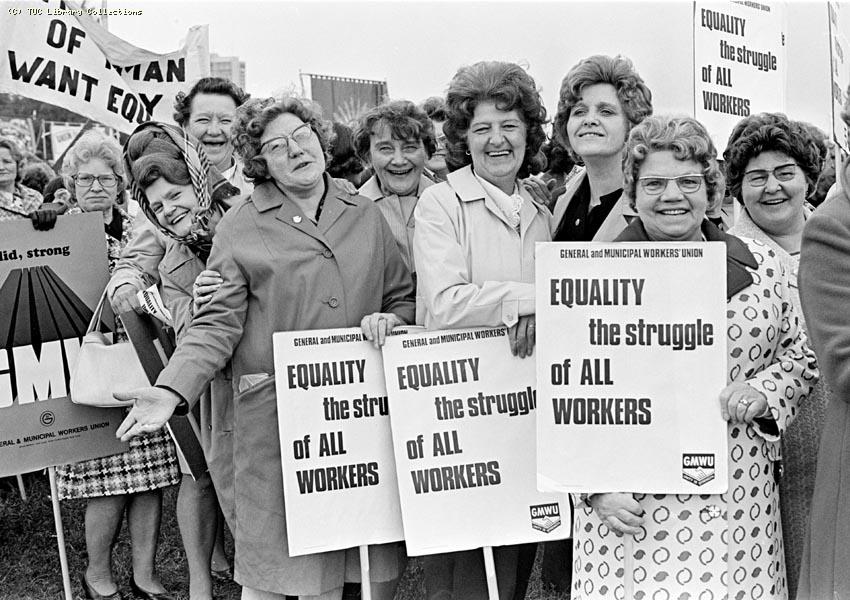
{"points": [[29, 558]]}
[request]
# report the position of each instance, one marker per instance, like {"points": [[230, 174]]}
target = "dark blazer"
{"points": [[824, 281]]}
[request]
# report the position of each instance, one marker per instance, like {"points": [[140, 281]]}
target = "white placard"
{"points": [[631, 360], [462, 410], [339, 478], [739, 63]]}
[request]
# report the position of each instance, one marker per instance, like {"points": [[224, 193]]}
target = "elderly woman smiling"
{"points": [[396, 139], [300, 253], [725, 545], [772, 165], [474, 249]]}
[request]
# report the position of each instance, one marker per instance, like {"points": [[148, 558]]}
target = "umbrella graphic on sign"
{"points": [[36, 306]]}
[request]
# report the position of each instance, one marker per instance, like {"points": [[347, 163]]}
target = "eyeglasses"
{"points": [[280, 145], [758, 177], [85, 180], [655, 185]]}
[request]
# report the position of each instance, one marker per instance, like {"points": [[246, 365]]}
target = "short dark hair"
{"points": [[435, 108], [405, 120], [13, 148], [206, 85], [634, 96], [767, 132], [510, 87], [36, 175], [254, 116], [344, 160]]}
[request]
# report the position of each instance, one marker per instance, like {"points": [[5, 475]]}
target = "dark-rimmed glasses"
{"points": [[280, 145], [758, 177], [655, 185], [85, 180]]}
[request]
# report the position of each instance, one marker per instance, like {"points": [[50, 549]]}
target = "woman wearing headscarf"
{"points": [[298, 254], [131, 481], [712, 545], [601, 99], [160, 158], [474, 251], [772, 167], [824, 280]]}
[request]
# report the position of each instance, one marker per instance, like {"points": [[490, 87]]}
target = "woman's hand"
{"points": [[522, 336], [378, 325], [545, 193], [741, 403], [205, 284], [620, 512], [152, 408], [124, 299]]}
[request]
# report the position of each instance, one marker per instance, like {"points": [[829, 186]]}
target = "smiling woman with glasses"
{"points": [[772, 165], [299, 253], [133, 480], [706, 546]]}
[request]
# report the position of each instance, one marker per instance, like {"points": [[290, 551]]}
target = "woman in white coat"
{"points": [[474, 251]]}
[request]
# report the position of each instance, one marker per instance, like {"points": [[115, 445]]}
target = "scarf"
{"points": [[210, 187]]}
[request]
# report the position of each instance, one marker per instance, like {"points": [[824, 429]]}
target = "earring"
{"points": [[467, 153]]}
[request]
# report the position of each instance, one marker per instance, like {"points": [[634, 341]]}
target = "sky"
{"points": [[417, 46]]}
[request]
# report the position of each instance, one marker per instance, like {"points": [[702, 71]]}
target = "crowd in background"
{"points": [[259, 215]]}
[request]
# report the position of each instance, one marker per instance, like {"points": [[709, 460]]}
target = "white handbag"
{"points": [[104, 367]]}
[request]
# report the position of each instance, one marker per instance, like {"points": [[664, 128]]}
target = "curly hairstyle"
{"points": [[619, 71], [91, 145], [152, 154], [687, 138], [435, 108], [206, 85], [510, 87], [767, 132], [12, 146], [254, 116], [405, 120]]}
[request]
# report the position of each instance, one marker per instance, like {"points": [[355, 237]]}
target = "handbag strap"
{"points": [[98, 311]]}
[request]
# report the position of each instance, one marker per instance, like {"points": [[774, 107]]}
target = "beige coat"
{"points": [[282, 273], [473, 268]]}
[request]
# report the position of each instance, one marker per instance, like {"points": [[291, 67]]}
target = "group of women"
{"points": [[301, 252]]}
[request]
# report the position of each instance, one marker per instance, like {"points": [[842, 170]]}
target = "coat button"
{"points": [[333, 302], [296, 219], [327, 253]]}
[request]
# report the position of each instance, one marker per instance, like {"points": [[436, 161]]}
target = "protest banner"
{"points": [[631, 359], [739, 63], [462, 411], [339, 479], [839, 73], [49, 283], [55, 52]]}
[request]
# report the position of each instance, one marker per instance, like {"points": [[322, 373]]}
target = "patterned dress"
{"points": [[713, 547], [19, 203], [151, 461], [801, 442]]}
